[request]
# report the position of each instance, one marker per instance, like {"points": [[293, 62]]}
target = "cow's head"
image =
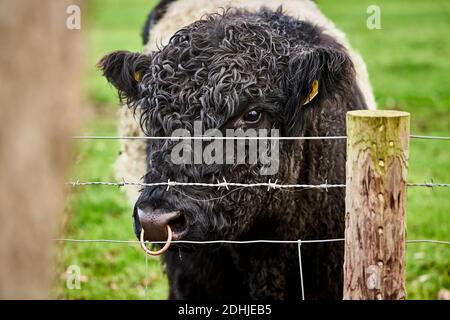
{"points": [[236, 70]]}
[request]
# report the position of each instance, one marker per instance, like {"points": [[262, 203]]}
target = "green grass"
{"points": [[109, 270], [409, 68]]}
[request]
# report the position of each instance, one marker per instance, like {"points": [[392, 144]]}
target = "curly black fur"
{"points": [[215, 70]]}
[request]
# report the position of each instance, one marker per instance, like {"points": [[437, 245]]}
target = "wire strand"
{"points": [[301, 268], [207, 138], [88, 137], [232, 241], [226, 184]]}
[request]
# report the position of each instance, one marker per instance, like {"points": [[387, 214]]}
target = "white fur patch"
{"points": [[132, 162]]}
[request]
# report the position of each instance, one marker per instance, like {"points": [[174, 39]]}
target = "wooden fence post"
{"points": [[40, 76], [375, 230]]}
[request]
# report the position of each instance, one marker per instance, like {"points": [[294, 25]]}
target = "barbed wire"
{"points": [[232, 241], [429, 185], [413, 136], [225, 184]]}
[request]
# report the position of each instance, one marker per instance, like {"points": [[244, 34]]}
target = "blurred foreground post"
{"points": [[375, 232], [39, 76]]}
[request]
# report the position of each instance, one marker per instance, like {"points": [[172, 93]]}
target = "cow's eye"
{"points": [[252, 116]]}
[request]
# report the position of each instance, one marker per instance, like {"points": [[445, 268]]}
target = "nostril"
{"points": [[178, 224], [154, 222]]}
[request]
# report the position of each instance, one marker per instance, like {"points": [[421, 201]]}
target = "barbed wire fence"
{"points": [[227, 185]]}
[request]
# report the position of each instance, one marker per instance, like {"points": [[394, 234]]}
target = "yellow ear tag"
{"points": [[313, 93], [137, 76]]}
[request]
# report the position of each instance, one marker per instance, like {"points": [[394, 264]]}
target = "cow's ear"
{"points": [[315, 74], [125, 70]]}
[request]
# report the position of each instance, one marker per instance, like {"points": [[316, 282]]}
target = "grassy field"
{"points": [[408, 61]]}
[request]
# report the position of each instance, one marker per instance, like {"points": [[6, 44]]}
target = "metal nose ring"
{"points": [[160, 251]]}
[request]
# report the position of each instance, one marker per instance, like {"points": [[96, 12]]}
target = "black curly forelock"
{"points": [[214, 67], [210, 69]]}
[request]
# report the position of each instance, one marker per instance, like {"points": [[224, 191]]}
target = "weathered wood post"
{"points": [[40, 76], [375, 231]]}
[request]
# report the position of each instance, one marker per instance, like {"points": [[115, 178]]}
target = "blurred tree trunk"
{"points": [[39, 76]]}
